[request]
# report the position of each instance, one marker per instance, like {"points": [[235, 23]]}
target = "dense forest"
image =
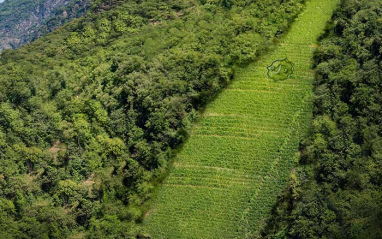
{"points": [[90, 114], [337, 190], [23, 21]]}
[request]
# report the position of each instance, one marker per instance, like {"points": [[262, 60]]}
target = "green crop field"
{"points": [[239, 156]]}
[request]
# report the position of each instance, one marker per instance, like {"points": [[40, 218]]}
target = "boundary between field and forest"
{"points": [[227, 176]]}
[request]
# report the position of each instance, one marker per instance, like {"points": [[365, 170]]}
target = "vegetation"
{"points": [[337, 192], [89, 114], [228, 174]]}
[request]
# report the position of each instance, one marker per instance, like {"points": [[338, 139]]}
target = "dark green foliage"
{"points": [[89, 114], [341, 163]]}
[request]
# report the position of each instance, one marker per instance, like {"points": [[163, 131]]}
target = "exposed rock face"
{"points": [[22, 21]]}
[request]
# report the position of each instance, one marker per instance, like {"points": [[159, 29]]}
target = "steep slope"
{"points": [[337, 191], [238, 158], [23, 21], [90, 113]]}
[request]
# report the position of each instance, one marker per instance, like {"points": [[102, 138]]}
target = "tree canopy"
{"points": [[90, 114]]}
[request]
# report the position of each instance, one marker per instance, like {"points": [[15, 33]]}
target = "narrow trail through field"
{"points": [[239, 156]]}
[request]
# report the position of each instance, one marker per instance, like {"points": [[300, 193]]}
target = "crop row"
{"points": [[225, 180]]}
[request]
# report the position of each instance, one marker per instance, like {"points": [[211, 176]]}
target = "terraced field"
{"points": [[239, 156]]}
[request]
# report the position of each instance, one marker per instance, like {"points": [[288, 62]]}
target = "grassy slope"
{"points": [[226, 178]]}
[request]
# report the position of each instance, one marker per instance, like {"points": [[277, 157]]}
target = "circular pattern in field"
{"points": [[281, 69]]}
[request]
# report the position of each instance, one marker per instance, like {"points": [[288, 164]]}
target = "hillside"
{"points": [[184, 118], [23, 21], [91, 112], [337, 190], [239, 157]]}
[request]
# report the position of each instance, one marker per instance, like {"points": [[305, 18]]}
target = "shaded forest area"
{"points": [[90, 114], [337, 190]]}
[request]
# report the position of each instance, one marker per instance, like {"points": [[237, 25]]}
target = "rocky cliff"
{"points": [[22, 21]]}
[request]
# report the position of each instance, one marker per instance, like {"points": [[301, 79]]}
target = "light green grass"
{"points": [[239, 156]]}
